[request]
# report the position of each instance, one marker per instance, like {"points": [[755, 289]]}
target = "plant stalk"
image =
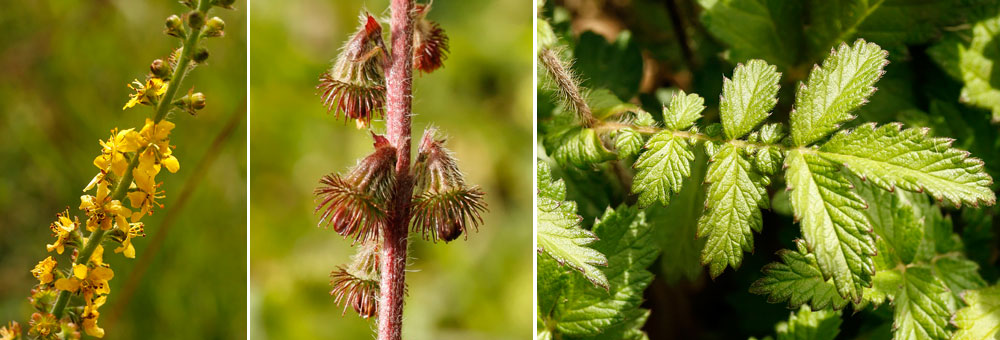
{"points": [[399, 81], [121, 188]]}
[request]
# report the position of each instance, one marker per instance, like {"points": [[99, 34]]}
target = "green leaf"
{"points": [[676, 225], [921, 306], [762, 29], [628, 142], [798, 280], [976, 62], [684, 109], [662, 168], [833, 224], [577, 146], [891, 157], [748, 98], [559, 233], [894, 219], [735, 194], [631, 329], [626, 239], [891, 23], [616, 66], [840, 86], [980, 320], [810, 325], [958, 273]]}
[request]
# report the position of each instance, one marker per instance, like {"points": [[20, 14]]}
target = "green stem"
{"points": [[121, 188]]}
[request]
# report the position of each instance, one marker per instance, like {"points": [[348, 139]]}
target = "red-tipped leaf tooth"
{"points": [[430, 43], [355, 85], [359, 293]]}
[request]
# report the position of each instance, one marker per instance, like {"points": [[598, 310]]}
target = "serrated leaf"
{"points": [[626, 239], [980, 319], [958, 273], [832, 91], [763, 29], [891, 157], [662, 168], [577, 146], [748, 98], [798, 280], [976, 62], [735, 195], [683, 111], [833, 224], [810, 325], [921, 306], [628, 142], [676, 226], [891, 23], [631, 329], [895, 219], [558, 230]]}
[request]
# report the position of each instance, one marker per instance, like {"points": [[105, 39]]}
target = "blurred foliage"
{"points": [[690, 45], [66, 65], [479, 288]]}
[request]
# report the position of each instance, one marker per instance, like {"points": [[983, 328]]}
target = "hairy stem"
{"points": [[399, 79], [121, 188], [566, 84]]}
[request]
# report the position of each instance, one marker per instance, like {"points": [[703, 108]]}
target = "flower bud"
{"points": [[215, 27], [159, 69], [354, 204], [445, 207], [195, 19], [356, 84], [191, 102], [200, 55], [174, 26], [430, 43], [359, 293]]}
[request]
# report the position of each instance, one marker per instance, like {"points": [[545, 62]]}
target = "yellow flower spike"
{"points": [[171, 164], [80, 271], [43, 270], [68, 284]]}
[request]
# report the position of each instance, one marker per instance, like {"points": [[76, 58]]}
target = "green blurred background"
{"points": [[65, 66], [475, 289]]}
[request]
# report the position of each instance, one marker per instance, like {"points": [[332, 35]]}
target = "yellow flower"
{"points": [[43, 270], [71, 284], [10, 332], [113, 151], [63, 227], [90, 315], [129, 250], [100, 207], [148, 93]]}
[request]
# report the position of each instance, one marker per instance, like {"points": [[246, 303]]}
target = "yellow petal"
{"points": [[90, 326], [171, 164], [80, 271], [136, 198], [70, 284], [102, 273], [87, 202]]}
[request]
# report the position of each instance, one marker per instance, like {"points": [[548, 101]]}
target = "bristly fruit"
{"points": [[355, 85], [354, 204], [445, 206], [352, 290], [430, 43]]}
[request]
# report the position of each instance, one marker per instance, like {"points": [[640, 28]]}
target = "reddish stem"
{"points": [[399, 76]]}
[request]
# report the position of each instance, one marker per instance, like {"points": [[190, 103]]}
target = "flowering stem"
{"points": [[398, 95], [121, 188]]}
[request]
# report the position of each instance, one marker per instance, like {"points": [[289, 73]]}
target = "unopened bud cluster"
{"points": [[355, 85]]}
